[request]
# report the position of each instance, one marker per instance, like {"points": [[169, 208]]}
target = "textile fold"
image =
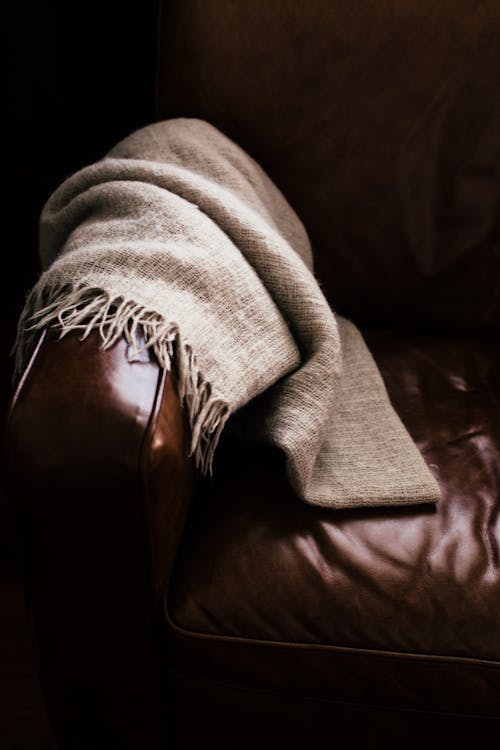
{"points": [[178, 241]]}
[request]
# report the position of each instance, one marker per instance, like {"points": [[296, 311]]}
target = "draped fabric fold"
{"points": [[178, 241]]}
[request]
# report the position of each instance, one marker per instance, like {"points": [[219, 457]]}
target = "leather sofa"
{"points": [[172, 611]]}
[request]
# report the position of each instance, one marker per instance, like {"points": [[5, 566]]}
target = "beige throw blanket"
{"points": [[178, 241]]}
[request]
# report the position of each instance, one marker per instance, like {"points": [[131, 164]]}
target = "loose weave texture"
{"points": [[179, 241]]}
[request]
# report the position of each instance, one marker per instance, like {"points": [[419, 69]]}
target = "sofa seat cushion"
{"points": [[392, 606]]}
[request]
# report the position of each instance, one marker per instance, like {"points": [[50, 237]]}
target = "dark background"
{"points": [[80, 76]]}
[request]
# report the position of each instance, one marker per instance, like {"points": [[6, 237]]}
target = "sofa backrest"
{"points": [[380, 122]]}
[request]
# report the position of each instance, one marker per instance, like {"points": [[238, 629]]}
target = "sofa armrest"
{"points": [[98, 472]]}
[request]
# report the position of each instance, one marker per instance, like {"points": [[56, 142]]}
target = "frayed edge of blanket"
{"points": [[71, 308]]}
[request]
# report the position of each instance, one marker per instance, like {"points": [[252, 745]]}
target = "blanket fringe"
{"points": [[81, 308]]}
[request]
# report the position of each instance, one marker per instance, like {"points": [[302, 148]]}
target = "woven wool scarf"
{"points": [[178, 241]]}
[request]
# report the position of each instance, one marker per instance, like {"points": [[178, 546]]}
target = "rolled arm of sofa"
{"points": [[100, 479]]}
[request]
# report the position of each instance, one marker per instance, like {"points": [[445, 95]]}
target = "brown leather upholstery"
{"points": [[397, 609], [267, 719], [380, 122], [285, 623], [100, 480], [364, 578]]}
